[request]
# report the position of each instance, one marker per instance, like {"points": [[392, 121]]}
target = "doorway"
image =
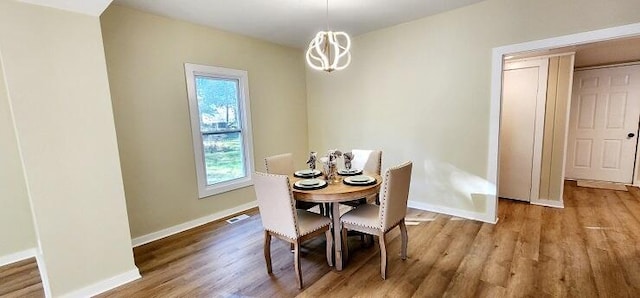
{"points": [[540, 175], [603, 129], [550, 45]]}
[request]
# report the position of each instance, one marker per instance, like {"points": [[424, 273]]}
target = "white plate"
{"points": [[351, 171], [310, 183], [307, 172], [359, 179]]}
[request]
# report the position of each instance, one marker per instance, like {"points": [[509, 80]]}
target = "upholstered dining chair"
{"points": [[379, 220], [370, 161], [281, 220], [282, 164]]}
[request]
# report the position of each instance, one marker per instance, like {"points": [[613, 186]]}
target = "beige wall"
{"points": [[16, 225], [57, 81], [145, 57], [555, 127], [421, 91]]}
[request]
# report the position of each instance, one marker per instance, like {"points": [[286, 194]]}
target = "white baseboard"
{"points": [[548, 203], [452, 211], [190, 224], [44, 276], [17, 256], [104, 285]]}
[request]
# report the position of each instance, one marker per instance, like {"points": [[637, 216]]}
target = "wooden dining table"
{"points": [[333, 195]]}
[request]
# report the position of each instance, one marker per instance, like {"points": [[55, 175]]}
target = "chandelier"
{"points": [[329, 50]]}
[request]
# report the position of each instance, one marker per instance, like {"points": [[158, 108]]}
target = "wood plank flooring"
{"points": [[591, 248], [21, 279]]}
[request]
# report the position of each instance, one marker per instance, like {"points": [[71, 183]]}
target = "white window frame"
{"points": [[191, 71]]}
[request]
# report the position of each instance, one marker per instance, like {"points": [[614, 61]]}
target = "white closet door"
{"points": [[521, 127], [603, 128]]}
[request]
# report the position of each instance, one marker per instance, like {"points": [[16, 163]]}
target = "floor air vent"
{"points": [[237, 218]]}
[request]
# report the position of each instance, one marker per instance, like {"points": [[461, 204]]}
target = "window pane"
{"points": [[219, 123], [223, 156], [219, 111], [217, 104]]}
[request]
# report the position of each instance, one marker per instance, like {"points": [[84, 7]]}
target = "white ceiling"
{"points": [[294, 22]]}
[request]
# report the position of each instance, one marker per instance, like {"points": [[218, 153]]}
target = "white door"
{"points": [[603, 127], [524, 93]]}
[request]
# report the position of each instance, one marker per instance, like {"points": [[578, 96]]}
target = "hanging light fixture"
{"points": [[329, 50]]}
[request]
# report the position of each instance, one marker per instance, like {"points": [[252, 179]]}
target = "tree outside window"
{"points": [[219, 115]]}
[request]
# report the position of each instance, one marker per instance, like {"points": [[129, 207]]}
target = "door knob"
{"points": [[631, 135]]}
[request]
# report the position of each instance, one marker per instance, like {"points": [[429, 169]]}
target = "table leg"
{"points": [[337, 235]]}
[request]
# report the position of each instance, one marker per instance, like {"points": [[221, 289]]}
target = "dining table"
{"points": [[334, 194]]}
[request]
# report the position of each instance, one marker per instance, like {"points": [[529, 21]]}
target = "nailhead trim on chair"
{"points": [[393, 225], [293, 206], [383, 203], [372, 227], [383, 200], [282, 235], [295, 214], [301, 235], [361, 225]]}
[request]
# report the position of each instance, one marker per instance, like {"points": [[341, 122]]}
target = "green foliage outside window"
{"points": [[220, 128]]}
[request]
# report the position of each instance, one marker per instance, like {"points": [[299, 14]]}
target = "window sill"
{"points": [[228, 186]]}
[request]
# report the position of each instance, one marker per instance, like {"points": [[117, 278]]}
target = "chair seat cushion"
{"points": [[364, 215], [309, 222]]}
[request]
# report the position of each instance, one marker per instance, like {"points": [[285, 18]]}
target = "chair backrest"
{"points": [[276, 204], [281, 164], [368, 160], [394, 195]]}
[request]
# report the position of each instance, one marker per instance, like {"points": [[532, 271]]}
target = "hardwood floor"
{"points": [[21, 279], [590, 248]]}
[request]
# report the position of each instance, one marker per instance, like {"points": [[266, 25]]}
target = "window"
{"points": [[221, 127]]}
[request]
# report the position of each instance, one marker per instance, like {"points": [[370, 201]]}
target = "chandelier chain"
{"points": [[328, 50], [327, 16]]}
